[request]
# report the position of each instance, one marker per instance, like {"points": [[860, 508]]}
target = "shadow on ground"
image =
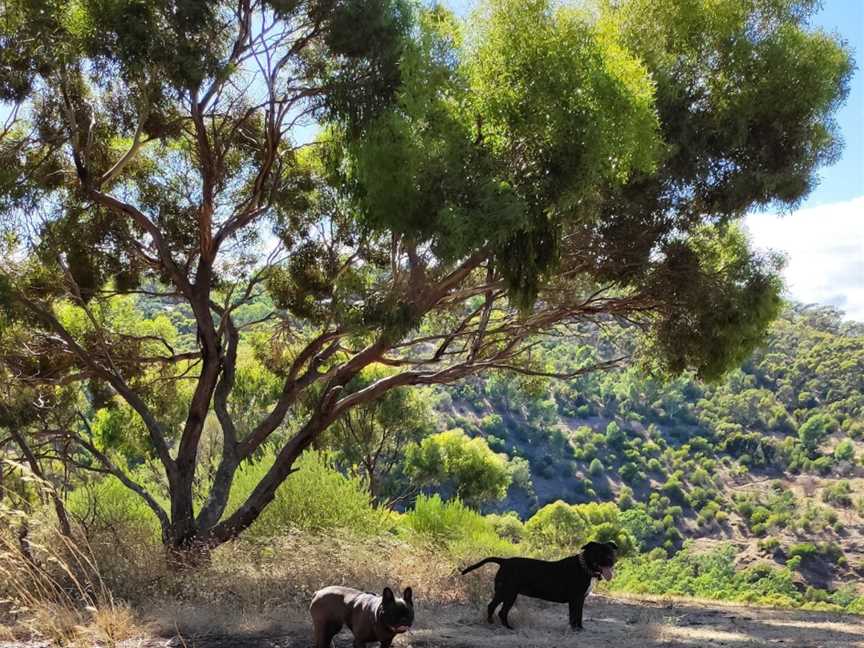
{"points": [[609, 623]]}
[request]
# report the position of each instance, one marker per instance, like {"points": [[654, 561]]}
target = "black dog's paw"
{"points": [[577, 628]]}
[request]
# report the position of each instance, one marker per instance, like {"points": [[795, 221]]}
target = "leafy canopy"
{"points": [[538, 169]]}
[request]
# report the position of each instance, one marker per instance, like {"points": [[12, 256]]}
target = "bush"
{"points": [[106, 506], [672, 489], [629, 472], [564, 528], [315, 498], [706, 575], [815, 429], [455, 463], [614, 434], [768, 545], [452, 526], [845, 451], [625, 498], [642, 527], [839, 494], [596, 468], [827, 550], [508, 526]]}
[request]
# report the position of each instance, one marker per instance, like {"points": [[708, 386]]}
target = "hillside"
{"points": [[769, 459]]}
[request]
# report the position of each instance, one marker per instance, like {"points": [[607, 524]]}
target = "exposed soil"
{"points": [[609, 623]]}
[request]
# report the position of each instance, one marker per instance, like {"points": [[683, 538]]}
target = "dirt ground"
{"points": [[609, 623]]}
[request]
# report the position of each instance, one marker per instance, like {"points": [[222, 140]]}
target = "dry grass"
{"points": [[51, 586], [96, 592], [262, 590], [250, 587]]}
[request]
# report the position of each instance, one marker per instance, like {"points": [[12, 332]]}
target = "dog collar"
{"points": [[584, 565]]}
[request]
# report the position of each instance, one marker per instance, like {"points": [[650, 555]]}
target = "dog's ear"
{"points": [[408, 595], [388, 596], [590, 545], [612, 546]]}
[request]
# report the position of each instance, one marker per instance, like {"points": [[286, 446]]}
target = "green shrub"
{"points": [[107, 506], [768, 545], [596, 468], [845, 451], [508, 526], [815, 429], [614, 434], [315, 498], [458, 530], [706, 575], [828, 550], [838, 494], [629, 472], [642, 527], [455, 462], [564, 528], [672, 489], [625, 498]]}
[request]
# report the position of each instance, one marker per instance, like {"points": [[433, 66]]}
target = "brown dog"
{"points": [[369, 616]]}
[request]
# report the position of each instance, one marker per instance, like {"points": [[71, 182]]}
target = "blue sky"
{"points": [[824, 239]]}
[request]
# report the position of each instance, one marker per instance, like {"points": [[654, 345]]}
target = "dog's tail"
{"points": [[497, 561]]}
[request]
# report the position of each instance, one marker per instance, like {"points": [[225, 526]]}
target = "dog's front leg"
{"points": [[576, 605]]}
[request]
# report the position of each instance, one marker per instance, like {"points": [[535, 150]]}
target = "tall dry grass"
{"points": [[256, 585], [51, 585]]}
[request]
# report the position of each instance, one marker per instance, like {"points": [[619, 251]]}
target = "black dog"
{"points": [[563, 581]]}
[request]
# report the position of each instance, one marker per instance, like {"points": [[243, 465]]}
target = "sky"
{"points": [[824, 238]]}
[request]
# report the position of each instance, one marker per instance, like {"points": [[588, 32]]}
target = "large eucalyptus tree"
{"points": [[410, 191]]}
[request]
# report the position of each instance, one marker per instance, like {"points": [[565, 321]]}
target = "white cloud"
{"points": [[825, 252]]}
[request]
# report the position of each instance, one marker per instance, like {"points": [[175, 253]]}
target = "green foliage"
{"points": [[465, 467], [845, 451], [508, 526], [641, 526], [370, 440], [107, 507], [565, 528], [315, 498], [712, 575], [827, 550], [454, 526], [815, 429], [706, 337], [838, 494]]}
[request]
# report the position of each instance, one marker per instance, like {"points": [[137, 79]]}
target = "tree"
{"points": [[845, 451], [814, 430], [372, 438], [463, 467], [469, 189], [569, 526]]}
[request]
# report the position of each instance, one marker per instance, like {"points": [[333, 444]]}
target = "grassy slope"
{"points": [[554, 442]]}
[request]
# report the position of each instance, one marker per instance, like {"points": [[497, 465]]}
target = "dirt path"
{"points": [[609, 623]]}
